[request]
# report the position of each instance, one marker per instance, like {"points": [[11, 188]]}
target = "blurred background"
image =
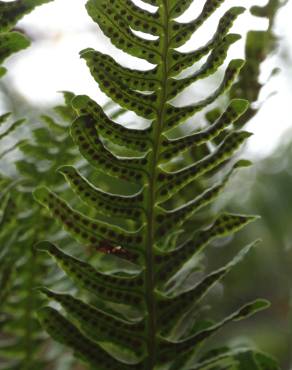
{"points": [[61, 29]]}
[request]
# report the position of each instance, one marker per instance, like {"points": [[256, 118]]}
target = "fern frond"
{"points": [[140, 227]]}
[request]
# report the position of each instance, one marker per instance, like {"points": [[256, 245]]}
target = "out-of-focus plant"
{"points": [[267, 193], [23, 344], [49, 146], [12, 42], [259, 46]]}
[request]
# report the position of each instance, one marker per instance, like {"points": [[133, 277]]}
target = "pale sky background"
{"points": [[61, 29]]}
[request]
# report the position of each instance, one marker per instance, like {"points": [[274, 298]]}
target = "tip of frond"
{"points": [[253, 218], [257, 241], [237, 63], [85, 51], [232, 37], [65, 170], [248, 248], [254, 307], [44, 246], [239, 10], [243, 163], [247, 134]]}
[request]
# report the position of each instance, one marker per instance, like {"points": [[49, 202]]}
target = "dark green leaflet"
{"points": [[86, 137], [133, 139], [215, 60], [168, 221], [224, 357], [87, 350], [171, 183], [107, 203], [176, 115], [120, 289], [154, 247], [169, 263], [13, 127], [136, 17], [167, 347], [12, 12], [135, 79], [180, 33], [85, 229], [173, 307], [7, 223], [100, 326], [180, 61], [115, 26], [171, 148]]}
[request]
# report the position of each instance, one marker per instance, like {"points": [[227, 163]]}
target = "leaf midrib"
{"points": [[157, 138]]}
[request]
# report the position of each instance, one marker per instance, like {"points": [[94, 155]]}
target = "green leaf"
{"points": [[175, 115], [106, 128], [87, 350], [172, 308], [167, 347], [183, 31], [116, 28], [112, 288], [11, 12], [100, 326], [214, 61], [225, 224], [85, 135], [181, 61], [171, 183], [141, 104], [172, 219], [134, 79], [11, 43], [85, 229], [243, 358], [107, 203], [172, 148]]}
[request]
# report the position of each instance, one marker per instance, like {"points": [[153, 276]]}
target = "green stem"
{"points": [[151, 196]]}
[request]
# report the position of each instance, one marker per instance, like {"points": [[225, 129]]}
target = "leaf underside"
{"points": [[140, 228]]}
